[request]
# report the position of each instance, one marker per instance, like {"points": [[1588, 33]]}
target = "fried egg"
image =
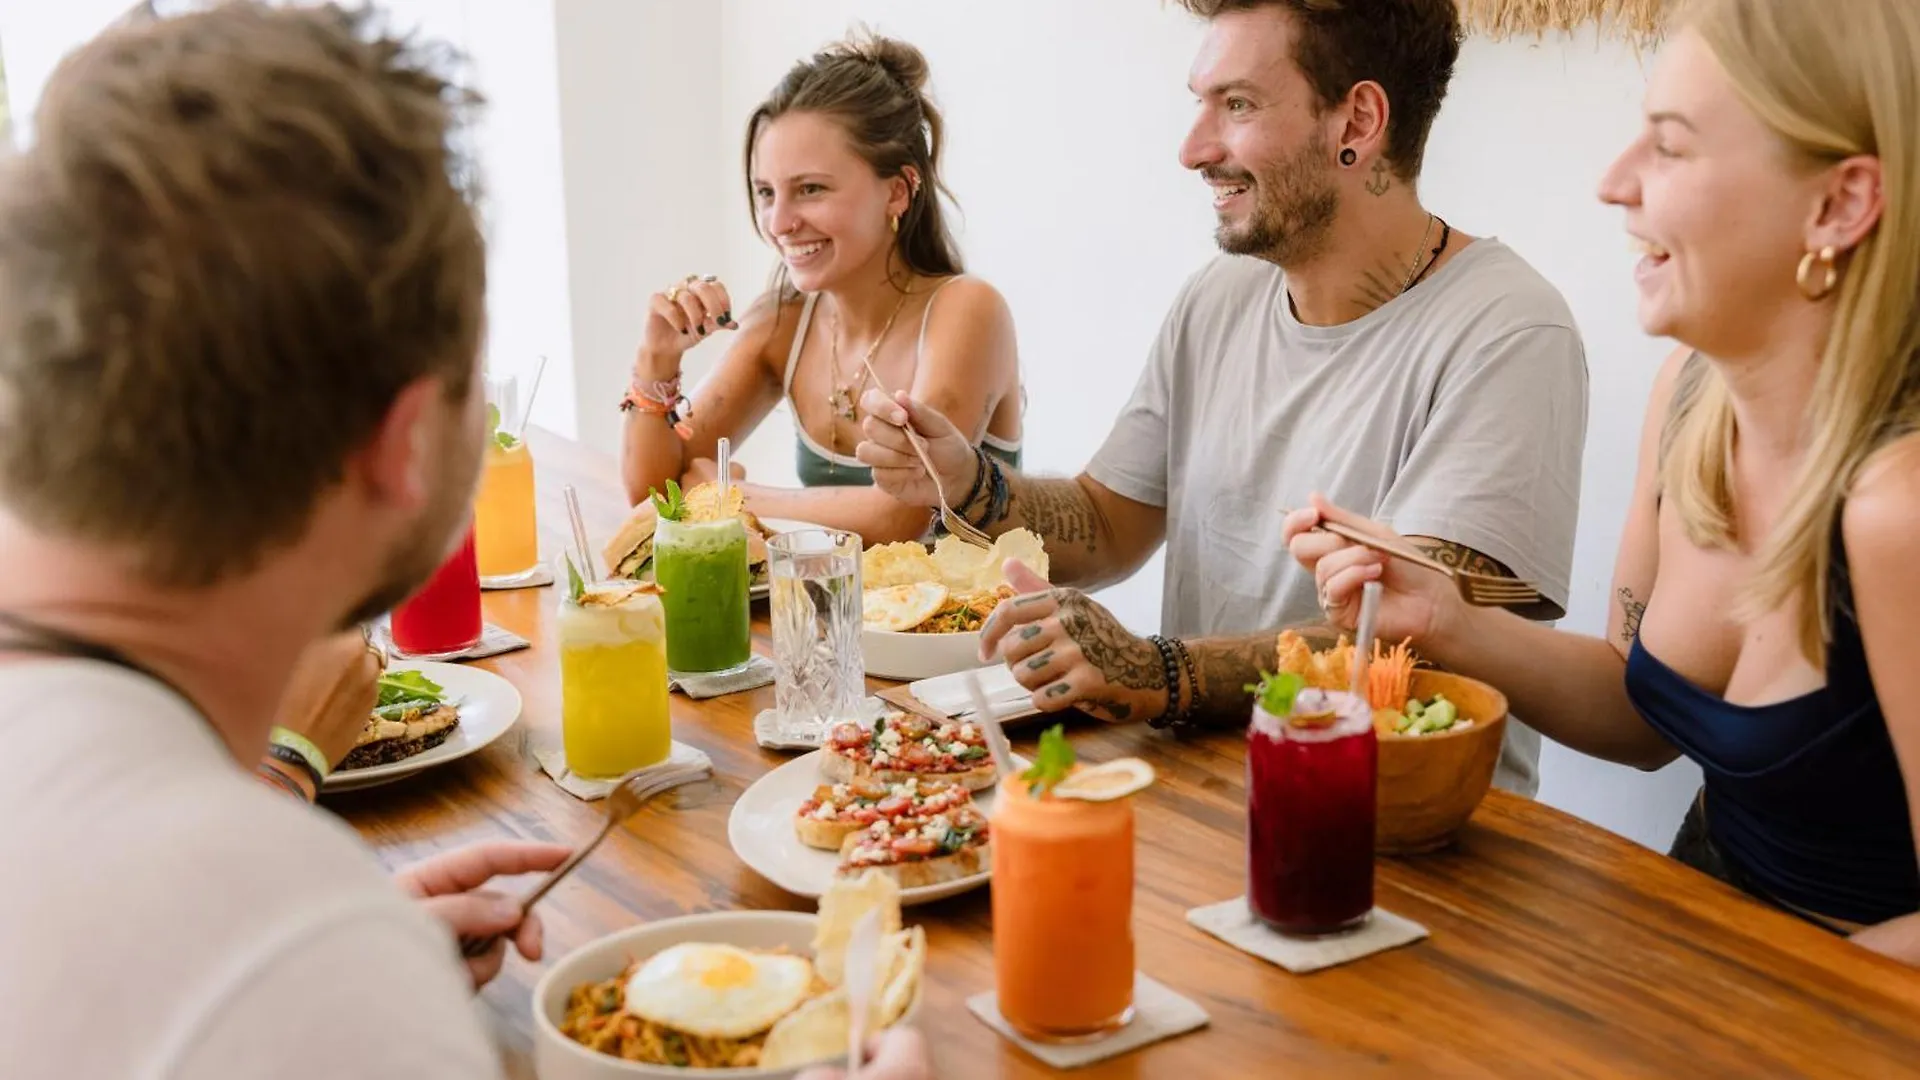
{"points": [[900, 608], [718, 991]]}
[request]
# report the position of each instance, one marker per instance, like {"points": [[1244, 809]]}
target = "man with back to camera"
{"points": [[1348, 341]]}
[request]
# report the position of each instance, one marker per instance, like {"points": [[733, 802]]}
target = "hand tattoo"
{"points": [[1381, 180], [1028, 633], [1123, 659], [1039, 663], [1059, 689], [1631, 611]]}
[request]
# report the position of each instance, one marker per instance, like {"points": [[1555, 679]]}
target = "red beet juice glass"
{"points": [[1310, 814], [442, 620]]}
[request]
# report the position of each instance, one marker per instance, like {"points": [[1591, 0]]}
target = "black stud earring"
{"points": [[1348, 157]]}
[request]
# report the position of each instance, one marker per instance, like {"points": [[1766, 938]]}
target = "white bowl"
{"points": [[907, 657], [556, 1057]]}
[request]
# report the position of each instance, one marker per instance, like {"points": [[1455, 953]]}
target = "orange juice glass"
{"points": [[1062, 914], [506, 538]]}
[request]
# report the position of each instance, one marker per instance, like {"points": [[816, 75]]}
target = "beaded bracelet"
{"points": [[1170, 667], [1193, 683], [981, 476]]}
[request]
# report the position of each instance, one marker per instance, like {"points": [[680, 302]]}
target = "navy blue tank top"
{"points": [[1803, 797]]}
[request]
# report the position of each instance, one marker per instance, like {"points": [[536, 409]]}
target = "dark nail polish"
{"points": [[726, 318], [703, 331]]}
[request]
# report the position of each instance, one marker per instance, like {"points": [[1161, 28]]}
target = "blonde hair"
{"points": [[1833, 80]]}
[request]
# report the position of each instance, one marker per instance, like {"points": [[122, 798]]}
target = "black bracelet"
{"points": [[1170, 667], [287, 755], [1001, 494], [980, 474], [1193, 682], [282, 781]]}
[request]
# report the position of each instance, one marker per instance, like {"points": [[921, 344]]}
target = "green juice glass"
{"points": [[702, 569]]}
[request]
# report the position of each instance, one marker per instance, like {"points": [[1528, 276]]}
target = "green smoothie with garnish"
{"points": [[701, 568]]}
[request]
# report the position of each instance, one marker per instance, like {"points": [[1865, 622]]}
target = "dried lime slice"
{"points": [[1106, 782]]}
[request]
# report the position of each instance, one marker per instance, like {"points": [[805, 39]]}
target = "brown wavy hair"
{"points": [[876, 88], [1409, 47], [237, 235]]}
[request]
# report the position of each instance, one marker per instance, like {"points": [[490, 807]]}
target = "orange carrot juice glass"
{"points": [[1063, 907]]}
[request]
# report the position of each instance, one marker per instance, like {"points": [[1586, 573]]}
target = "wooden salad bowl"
{"points": [[1429, 785]]}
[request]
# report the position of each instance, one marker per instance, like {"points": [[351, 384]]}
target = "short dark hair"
{"points": [[237, 235], [1409, 47]]}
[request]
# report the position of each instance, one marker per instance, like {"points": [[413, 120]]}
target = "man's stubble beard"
{"points": [[1294, 212]]}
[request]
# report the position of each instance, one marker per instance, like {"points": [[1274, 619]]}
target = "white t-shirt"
{"points": [[165, 915], [1457, 410]]}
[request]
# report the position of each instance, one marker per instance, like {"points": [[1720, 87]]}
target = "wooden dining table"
{"points": [[1556, 948]]}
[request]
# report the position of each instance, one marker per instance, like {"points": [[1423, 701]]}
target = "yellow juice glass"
{"points": [[506, 537], [613, 680]]}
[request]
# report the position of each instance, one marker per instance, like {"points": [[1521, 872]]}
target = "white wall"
{"points": [[1065, 117], [510, 44]]}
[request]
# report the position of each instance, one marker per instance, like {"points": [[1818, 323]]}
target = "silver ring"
{"points": [[709, 278]]}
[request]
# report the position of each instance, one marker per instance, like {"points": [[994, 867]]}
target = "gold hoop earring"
{"points": [[1826, 257]]}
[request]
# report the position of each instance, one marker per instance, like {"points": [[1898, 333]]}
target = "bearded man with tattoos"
{"points": [[1348, 341]]}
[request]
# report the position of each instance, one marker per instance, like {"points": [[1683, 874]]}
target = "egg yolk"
{"points": [[729, 971]]}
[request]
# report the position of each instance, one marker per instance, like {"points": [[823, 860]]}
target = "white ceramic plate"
{"points": [[776, 526], [761, 832], [556, 1057], [488, 705]]}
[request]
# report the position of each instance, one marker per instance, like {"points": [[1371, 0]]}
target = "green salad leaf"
{"points": [[409, 687], [1051, 763], [1275, 693]]}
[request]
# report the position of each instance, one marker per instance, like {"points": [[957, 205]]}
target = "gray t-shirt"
{"points": [[1457, 410]]}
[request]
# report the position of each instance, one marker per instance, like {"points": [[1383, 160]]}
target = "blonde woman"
{"points": [[1767, 589]]}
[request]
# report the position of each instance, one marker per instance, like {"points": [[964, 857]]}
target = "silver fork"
{"points": [[955, 524], [622, 803], [1480, 590]]}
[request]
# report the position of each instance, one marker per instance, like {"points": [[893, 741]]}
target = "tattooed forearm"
{"points": [[1223, 668], [1462, 557], [1631, 610], [1058, 511], [1459, 556]]}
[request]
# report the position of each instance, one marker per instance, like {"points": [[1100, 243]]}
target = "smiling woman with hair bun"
{"points": [[842, 174]]}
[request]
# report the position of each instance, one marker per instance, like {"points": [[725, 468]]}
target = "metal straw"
{"points": [[526, 411], [585, 552], [726, 469], [1363, 646], [989, 723]]}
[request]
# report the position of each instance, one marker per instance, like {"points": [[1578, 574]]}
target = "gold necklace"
{"points": [[843, 402], [1417, 252]]}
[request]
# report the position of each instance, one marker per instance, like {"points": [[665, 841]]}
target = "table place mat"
{"points": [[1158, 1013], [494, 640], [766, 727], [1232, 922], [553, 762], [758, 673], [538, 578]]}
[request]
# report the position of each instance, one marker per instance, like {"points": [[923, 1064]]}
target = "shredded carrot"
{"points": [[1390, 676]]}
